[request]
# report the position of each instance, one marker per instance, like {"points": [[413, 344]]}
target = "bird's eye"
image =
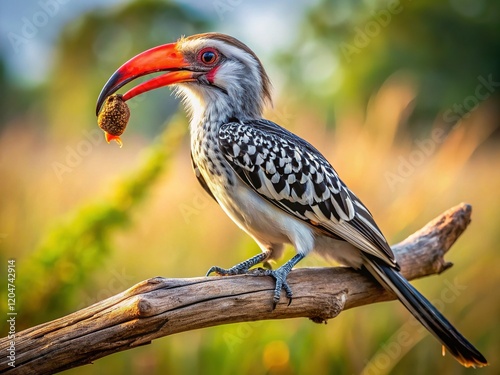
{"points": [[208, 56]]}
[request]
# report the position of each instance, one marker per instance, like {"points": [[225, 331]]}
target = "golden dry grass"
{"points": [[180, 232]]}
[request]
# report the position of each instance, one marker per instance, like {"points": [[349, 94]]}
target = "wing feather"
{"points": [[294, 176], [200, 179]]}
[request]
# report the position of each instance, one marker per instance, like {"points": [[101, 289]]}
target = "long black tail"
{"points": [[426, 313]]}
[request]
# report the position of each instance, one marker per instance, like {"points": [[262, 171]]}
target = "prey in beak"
{"points": [[164, 58]]}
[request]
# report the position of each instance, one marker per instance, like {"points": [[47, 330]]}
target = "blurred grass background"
{"points": [[402, 97]]}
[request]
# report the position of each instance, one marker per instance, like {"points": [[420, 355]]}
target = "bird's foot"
{"points": [[280, 276], [240, 268]]}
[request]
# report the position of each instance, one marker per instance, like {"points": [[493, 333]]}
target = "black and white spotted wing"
{"points": [[200, 178], [291, 174]]}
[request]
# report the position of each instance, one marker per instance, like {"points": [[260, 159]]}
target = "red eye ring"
{"points": [[208, 56]]}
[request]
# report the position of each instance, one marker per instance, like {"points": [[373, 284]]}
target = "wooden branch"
{"points": [[160, 307]]}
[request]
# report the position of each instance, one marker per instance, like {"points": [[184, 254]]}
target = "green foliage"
{"points": [[88, 51], [444, 46], [438, 47], [77, 248]]}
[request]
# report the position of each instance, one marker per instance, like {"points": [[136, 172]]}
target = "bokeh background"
{"points": [[402, 96]]}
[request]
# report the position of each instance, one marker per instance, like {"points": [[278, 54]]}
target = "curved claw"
{"points": [[240, 268], [212, 269], [280, 276], [224, 272]]}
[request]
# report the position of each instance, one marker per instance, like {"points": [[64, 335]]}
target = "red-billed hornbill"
{"points": [[274, 185]]}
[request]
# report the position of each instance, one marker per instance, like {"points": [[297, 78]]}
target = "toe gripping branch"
{"points": [[279, 274], [240, 268]]}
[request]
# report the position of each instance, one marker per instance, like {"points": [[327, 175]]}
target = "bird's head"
{"points": [[213, 72]]}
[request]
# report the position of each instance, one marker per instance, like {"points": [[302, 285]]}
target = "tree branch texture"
{"points": [[160, 307]]}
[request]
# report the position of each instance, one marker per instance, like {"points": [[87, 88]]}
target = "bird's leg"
{"points": [[280, 275], [240, 268]]}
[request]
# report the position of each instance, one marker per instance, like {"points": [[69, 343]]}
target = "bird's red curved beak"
{"points": [[162, 58]]}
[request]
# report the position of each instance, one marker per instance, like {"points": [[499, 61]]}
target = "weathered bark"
{"points": [[160, 307]]}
